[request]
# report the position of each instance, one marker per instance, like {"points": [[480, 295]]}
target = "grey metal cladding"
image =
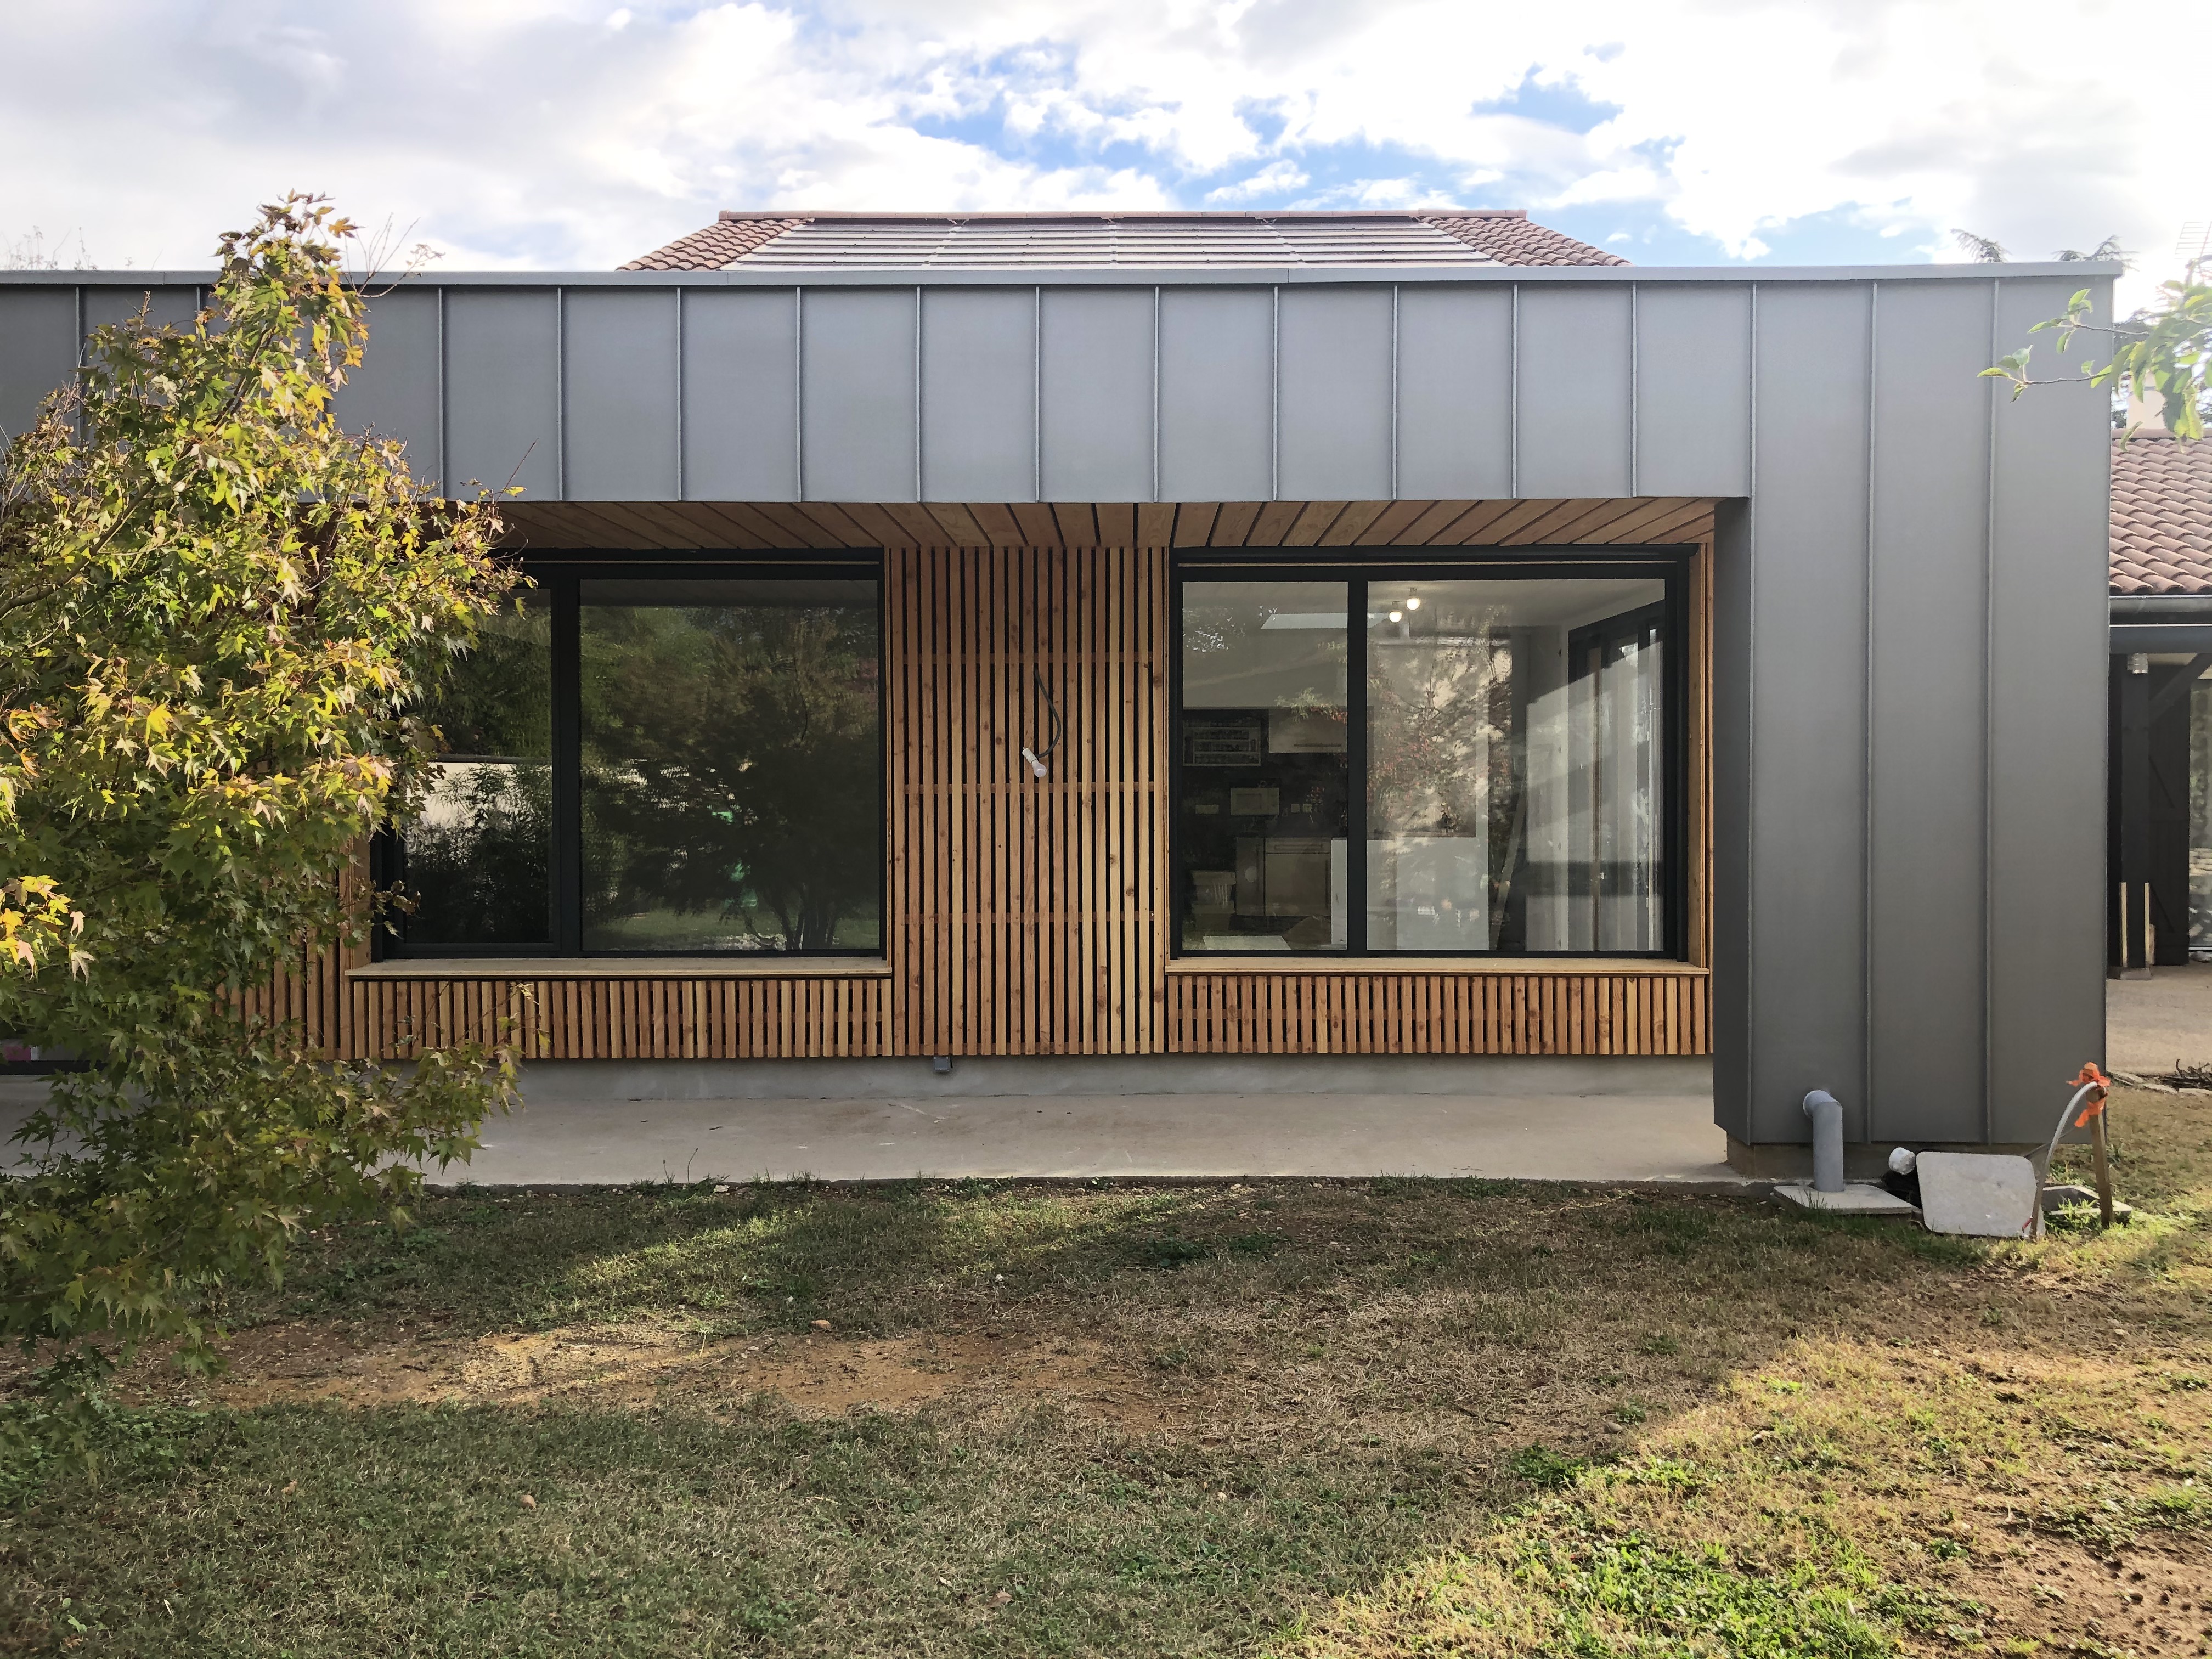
{"points": [[1334, 401], [38, 351], [1454, 393], [394, 391], [1573, 392], [1693, 390], [1926, 817], [857, 394], [1217, 394], [1734, 761], [1095, 377], [2050, 494], [620, 363], [503, 390], [1807, 804], [979, 394], [741, 394], [168, 306]]}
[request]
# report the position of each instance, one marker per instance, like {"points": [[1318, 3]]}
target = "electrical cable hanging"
{"points": [[1037, 761]]}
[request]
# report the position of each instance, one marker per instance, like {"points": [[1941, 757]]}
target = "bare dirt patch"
{"points": [[816, 1375]]}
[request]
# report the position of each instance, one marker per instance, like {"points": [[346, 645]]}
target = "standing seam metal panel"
{"points": [[860, 394], [1096, 402], [395, 392], [740, 395], [1455, 401], [1333, 400], [38, 335], [503, 390], [1217, 394], [1808, 691], [2049, 495], [1926, 814], [623, 442], [1573, 405], [979, 376], [1693, 401]]}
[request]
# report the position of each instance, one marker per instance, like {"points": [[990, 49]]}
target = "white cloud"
{"points": [[1271, 180], [559, 133]]}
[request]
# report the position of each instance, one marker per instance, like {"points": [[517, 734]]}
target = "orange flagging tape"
{"points": [[2090, 1075]]}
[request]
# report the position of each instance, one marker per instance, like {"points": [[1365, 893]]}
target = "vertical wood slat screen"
{"points": [[1025, 912], [1429, 1014]]}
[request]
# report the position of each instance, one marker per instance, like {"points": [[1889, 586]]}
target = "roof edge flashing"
{"points": [[2083, 271]]}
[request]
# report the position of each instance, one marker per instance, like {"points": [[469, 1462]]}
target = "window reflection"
{"points": [[1266, 778], [1515, 784], [730, 768], [478, 864]]}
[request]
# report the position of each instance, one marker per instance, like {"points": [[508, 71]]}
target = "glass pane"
{"points": [[1266, 780], [731, 777], [1515, 789], [479, 860]]}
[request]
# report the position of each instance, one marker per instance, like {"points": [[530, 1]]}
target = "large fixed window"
{"points": [[1432, 761], [659, 762]]}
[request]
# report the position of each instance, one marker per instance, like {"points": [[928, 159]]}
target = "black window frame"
{"points": [[561, 579], [1359, 566]]}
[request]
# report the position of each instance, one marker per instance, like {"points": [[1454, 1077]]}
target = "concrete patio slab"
{"points": [[1638, 1138], [1515, 1120]]}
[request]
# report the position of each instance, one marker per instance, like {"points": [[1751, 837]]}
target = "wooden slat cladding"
{"points": [[765, 526], [1029, 916], [1026, 916], [1276, 1013], [799, 1017]]}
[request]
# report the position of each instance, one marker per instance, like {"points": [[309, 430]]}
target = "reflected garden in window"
{"points": [[479, 861], [659, 763], [731, 767]]}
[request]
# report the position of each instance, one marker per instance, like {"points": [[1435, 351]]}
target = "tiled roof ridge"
{"points": [[2162, 524]]}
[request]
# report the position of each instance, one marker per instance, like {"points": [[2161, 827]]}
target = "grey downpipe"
{"points": [[1827, 1114]]}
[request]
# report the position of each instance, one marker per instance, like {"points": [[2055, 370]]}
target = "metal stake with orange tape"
{"points": [[2094, 1087]]}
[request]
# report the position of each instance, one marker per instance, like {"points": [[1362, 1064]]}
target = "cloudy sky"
{"points": [[575, 134]]}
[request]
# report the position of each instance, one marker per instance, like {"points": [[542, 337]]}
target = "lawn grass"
{"points": [[1277, 1417]]}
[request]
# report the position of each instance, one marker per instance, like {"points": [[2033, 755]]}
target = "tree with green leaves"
{"points": [[220, 619], [2160, 357]]}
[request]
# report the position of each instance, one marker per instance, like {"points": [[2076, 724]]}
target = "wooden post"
{"points": [[2104, 1167]]}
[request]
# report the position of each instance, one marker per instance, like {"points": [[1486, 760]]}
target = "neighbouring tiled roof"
{"points": [[730, 238], [1511, 240], [984, 240], [2161, 515]]}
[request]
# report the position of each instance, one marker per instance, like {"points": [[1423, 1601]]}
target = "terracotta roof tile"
{"points": [[731, 237], [1084, 239], [1511, 240], [2161, 515]]}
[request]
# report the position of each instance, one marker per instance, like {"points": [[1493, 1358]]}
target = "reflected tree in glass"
{"points": [[1444, 797], [732, 773], [478, 864], [1516, 787]]}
